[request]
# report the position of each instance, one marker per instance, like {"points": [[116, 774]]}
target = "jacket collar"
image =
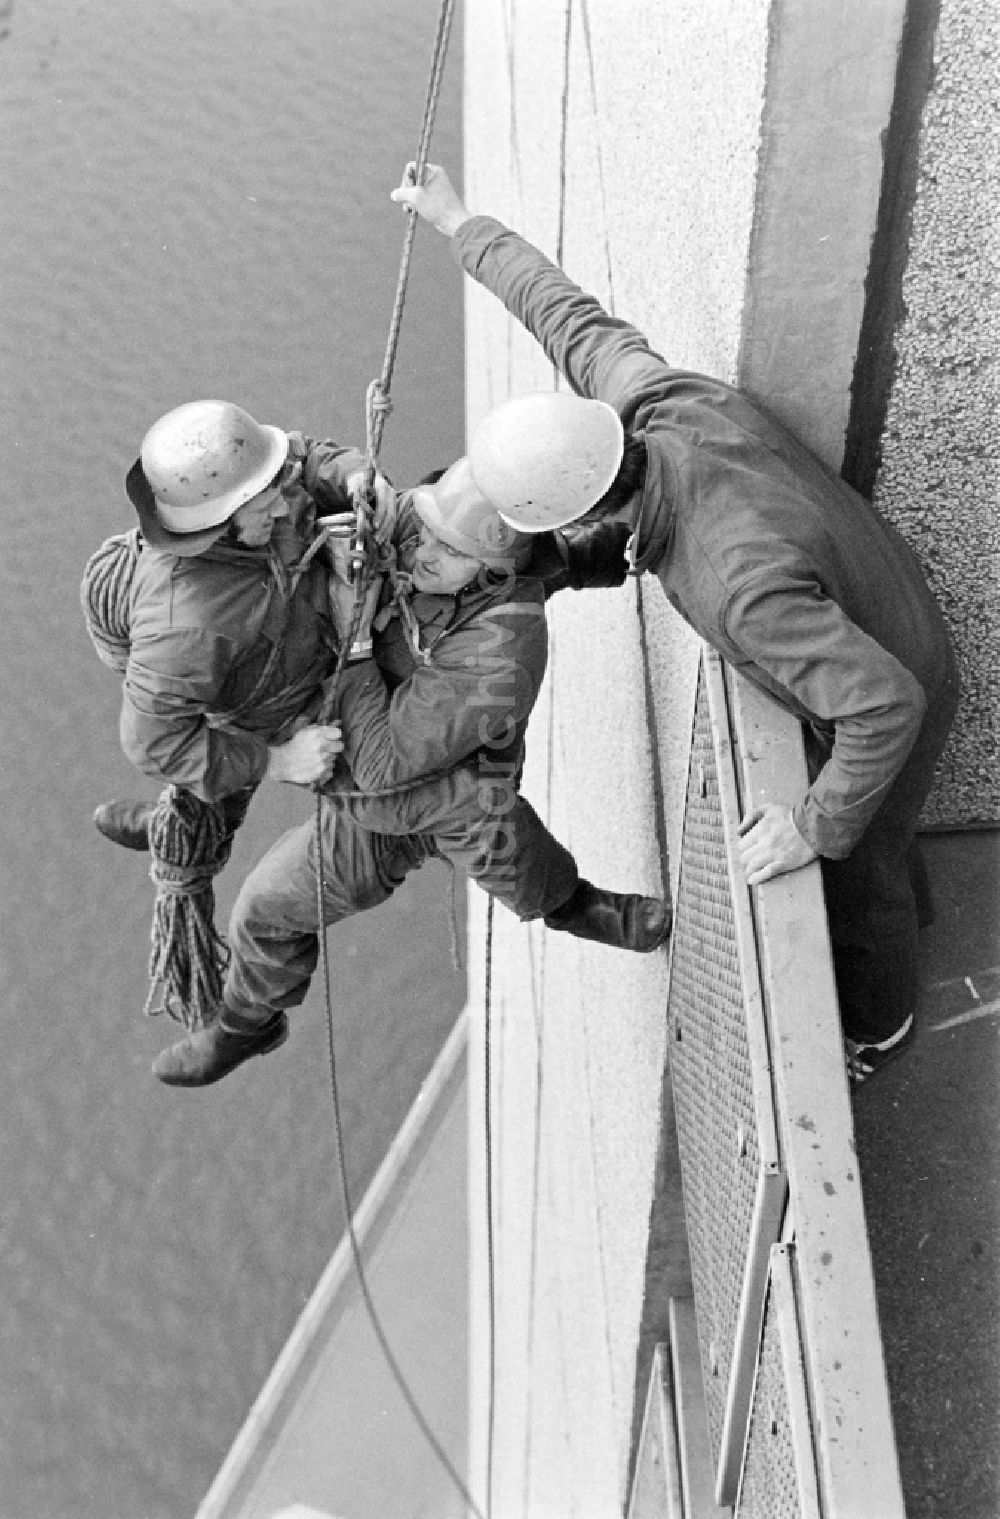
{"points": [[650, 512]]}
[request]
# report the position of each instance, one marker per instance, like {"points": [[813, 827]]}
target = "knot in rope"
{"points": [[378, 407], [180, 882], [185, 831], [105, 596]]}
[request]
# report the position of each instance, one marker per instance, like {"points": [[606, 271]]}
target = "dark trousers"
{"points": [[274, 926], [879, 896]]}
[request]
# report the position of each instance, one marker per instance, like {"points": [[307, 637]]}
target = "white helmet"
{"points": [[205, 459], [457, 512], [545, 459]]}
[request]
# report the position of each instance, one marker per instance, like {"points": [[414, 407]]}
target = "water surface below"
{"points": [[195, 203]]}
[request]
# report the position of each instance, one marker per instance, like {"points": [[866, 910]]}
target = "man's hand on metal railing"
{"points": [[771, 845]]}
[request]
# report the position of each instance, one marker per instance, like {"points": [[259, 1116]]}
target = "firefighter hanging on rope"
{"points": [[229, 623]]}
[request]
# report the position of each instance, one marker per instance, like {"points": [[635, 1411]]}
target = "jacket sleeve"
{"points": [[326, 468], [167, 691], [806, 643], [476, 695], [601, 356]]}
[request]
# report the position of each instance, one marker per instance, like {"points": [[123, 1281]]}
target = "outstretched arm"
{"points": [[601, 356]]}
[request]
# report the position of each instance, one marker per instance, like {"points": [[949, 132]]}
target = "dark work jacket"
{"points": [[404, 717], [199, 704], [771, 558]]}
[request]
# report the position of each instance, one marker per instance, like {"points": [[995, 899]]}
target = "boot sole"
{"points": [[137, 841], [276, 1040]]}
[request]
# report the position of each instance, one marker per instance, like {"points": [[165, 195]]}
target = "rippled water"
{"points": [[195, 202]]}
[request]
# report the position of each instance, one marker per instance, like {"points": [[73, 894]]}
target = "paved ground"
{"points": [[928, 1142]]}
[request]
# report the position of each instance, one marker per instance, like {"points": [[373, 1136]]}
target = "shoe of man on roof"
{"points": [[776, 562], [234, 626]]}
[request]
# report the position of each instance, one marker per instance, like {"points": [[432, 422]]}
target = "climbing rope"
{"points": [[359, 1267], [490, 1241], [367, 564], [379, 403]]}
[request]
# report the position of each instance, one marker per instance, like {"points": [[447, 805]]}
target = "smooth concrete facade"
{"points": [[663, 155], [332, 1435]]}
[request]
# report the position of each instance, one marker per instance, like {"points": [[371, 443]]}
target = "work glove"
{"points": [[580, 556], [343, 584]]}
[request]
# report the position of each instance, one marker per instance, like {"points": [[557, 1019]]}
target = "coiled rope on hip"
{"points": [[104, 596]]}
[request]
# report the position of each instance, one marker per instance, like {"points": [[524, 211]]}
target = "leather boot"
{"points": [[124, 823], [622, 920], [213, 1052]]}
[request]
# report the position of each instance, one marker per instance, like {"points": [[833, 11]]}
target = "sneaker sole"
{"points": [[878, 1059]]}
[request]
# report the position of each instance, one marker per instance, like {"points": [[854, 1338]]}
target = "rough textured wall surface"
{"points": [[939, 479]]}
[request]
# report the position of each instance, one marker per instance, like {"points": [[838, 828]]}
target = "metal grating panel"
{"points": [[656, 1486], [717, 1092], [752, 1022], [779, 1469]]}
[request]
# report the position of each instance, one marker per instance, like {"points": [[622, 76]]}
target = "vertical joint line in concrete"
{"points": [[588, 44], [510, 33], [563, 131]]}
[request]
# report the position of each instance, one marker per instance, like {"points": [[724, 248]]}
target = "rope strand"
{"points": [[384, 381], [378, 406], [490, 1241], [440, 1453]]}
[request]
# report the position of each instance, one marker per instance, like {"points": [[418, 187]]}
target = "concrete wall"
{"points": [[712, 171], [652, 209]]}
